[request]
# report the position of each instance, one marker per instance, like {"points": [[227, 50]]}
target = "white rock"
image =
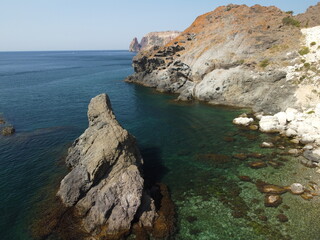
{"points": [[296, 188], [267, 145], [270, 124], [308, 147], [307, 138], [258, 115], [291, 114], [290, 132], [243, 121], [282, 118], [305, 129]]}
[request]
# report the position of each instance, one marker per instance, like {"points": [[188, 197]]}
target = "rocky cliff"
{"points": [[153, 39], [105, 185], [237, 55], [134, 45]]}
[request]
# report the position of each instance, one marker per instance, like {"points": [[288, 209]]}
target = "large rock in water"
{"points": [[105, 184]]}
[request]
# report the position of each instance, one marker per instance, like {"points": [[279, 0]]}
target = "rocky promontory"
{"points": [[258, 57], [105, 185], [153, 40]]}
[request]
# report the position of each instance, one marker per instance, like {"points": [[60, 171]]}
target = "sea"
{"points": [[191, 147]]}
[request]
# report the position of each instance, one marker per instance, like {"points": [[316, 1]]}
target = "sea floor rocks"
{"points": [[272, 200], [296, 188], [105, 185], [8, 130]]}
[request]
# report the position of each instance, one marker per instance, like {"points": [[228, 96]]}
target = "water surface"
{"points": [[188, 146]]}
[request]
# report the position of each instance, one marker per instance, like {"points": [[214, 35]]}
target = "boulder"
{"points": [[105, 184], [282, 118], [267, 145], [272, 200], [290, 132], [243, 121], [291, 114], [296, 188], [270, 124]]}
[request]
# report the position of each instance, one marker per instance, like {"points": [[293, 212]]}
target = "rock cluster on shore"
{"points": [[105, 184]]}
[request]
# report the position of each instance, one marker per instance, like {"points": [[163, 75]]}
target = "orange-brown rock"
{"points": [[164, 225], [258, 164], [240, 156], [245, 178], [306, 196], [270, 188]]}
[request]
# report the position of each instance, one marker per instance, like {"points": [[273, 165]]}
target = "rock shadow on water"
{"points": [[153, 167]]}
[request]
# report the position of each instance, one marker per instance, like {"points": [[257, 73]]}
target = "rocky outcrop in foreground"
{"points": [[238, 55], [105, 185], [152, 40]]}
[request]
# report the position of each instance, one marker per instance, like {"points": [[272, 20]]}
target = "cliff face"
{"points": [[235, 55], [153, 39], [105, 184], [311, 17]]}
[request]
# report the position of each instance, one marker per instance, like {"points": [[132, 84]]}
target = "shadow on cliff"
{"points": [[153, 167]]}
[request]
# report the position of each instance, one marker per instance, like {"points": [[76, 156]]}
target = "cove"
{"points": [[188, 146]]}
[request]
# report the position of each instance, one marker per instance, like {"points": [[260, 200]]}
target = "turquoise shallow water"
{"points": [[188, 146]]}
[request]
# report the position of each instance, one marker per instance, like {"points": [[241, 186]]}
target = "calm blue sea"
{"points": [[186, 145]]}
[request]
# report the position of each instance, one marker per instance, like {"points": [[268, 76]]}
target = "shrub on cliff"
{"points": [[290, 21], [304, 51], [264, 63]]}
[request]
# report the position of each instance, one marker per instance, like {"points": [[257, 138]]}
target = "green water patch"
{"points": [[216, 196]]}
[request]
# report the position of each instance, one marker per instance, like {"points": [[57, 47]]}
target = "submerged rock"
{"points": [[245, 178], [282, 218], [240, 156], [267, 145], [296, 188], [270, 188], [258, 164], [272, 200], [105, 184], [2, 121], [7, 131]]}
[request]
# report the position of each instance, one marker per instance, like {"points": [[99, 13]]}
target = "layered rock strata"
{"points": [[236, 55], [153, 40], [105, 185]]}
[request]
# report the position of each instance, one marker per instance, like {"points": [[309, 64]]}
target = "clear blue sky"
{"points": [[27, 25]]}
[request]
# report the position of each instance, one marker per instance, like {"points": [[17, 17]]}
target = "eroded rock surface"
{"points": [[105, 184], [236, 55]]}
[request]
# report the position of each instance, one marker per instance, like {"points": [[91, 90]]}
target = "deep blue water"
{"points": [[45, 96]]}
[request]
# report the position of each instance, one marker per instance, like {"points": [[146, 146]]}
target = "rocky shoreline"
{"points": [[257, 57], [302, 131]]}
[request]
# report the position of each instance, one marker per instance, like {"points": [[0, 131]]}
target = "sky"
{"points": [[38, 25]]}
